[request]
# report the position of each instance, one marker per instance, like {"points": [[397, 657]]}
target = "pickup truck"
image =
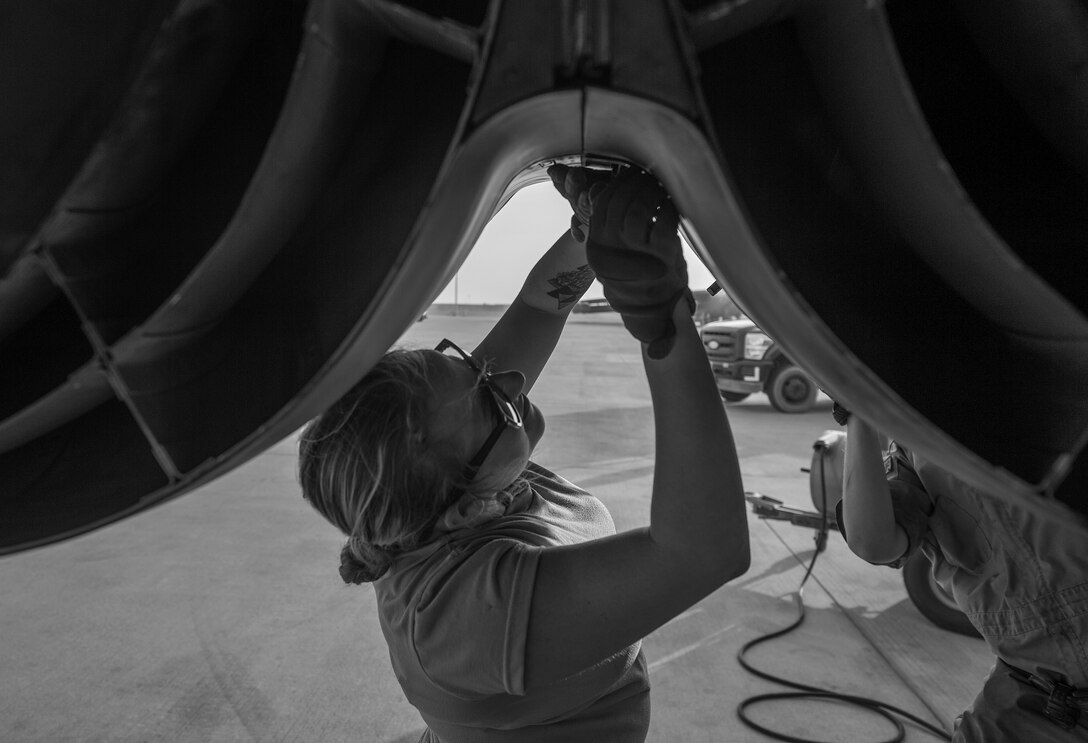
{"points": [[747, 360]]}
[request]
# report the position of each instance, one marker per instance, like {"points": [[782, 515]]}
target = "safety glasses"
{"points": [[507, 414]]}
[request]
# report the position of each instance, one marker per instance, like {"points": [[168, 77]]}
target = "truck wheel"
{"points": [[733, 396], [932, 600], [791, 390]]}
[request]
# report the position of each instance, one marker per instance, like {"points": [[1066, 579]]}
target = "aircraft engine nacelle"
{"points": [[216, 215]]}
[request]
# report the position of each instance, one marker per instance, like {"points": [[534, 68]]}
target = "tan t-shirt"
{"points": [[455, 614]]}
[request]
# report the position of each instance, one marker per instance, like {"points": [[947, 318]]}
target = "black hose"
{"points": [[887, 711]]}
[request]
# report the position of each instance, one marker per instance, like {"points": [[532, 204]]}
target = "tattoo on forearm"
{"points": [[569, 285]]}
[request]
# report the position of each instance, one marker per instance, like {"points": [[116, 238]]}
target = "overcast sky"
{"points": [[513, 241]]}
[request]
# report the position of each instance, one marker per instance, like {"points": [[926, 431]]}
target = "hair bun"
{"points": [[353, 573], [364, 568]]}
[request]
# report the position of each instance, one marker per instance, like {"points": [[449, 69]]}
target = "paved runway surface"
{"points": [[220, 616]]}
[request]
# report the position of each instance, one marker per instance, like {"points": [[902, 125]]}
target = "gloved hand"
{"points": [[578, 186], [635, 251], [839, 413]]}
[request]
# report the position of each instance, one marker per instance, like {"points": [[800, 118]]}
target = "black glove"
{"points": [[635, 252], [839, 413], [578, 186]]}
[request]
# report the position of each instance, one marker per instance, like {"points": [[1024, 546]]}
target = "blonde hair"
{"points": [[364, 464]]}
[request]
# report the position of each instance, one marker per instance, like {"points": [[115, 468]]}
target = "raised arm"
{"points": [[525, 336], [593, 599], [871, 529]]}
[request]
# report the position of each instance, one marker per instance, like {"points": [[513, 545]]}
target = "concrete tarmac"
{"points": [[221, 617]]}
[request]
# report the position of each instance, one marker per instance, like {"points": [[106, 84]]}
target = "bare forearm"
{"points": [[559, 278], [867, 505], [698, 499], [527, 333]]}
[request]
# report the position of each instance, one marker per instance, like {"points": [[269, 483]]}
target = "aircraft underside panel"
{"points": [[216, 215]]}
